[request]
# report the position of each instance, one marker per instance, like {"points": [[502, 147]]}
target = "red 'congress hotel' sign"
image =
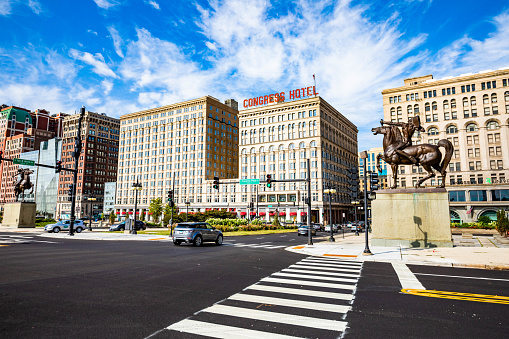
{"points": [[280, 97]]}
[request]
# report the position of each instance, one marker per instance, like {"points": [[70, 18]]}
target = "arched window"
{"points": [[465, 102], [427, 107], [281, 147], [453, 103], [485, 99], [416, 108], [473, 101], [312, 144], [506, 96], [472, 127], [253, 150], [434, 105], [244, 151], [393, 111], [400, 110], [262, 149], [451, 129], [492, 125], [291, 146], [446, 104], [455, 217], [271, 148], [433, 131], [409, 109], [302, 145], [494, 98]]}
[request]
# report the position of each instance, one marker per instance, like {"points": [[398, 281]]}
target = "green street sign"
{"points": [[270, 205], [23, 162], [249, 181]]}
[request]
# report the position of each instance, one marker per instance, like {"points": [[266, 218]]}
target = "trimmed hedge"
{"points": [[477, 225]]}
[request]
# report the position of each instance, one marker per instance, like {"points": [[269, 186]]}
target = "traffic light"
{"points": [[59, 166], [269, 180], [71, 190], [373, 181], [353, 187], [216, 183], [170, 198]]}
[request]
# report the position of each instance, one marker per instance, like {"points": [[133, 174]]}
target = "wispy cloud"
{"points": [[106, 4], [6, 6], [117, 41], [96, 61], [153, 4], [35, 6]]}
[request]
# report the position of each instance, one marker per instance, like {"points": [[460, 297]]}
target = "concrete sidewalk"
{"points": [[352, 247]]}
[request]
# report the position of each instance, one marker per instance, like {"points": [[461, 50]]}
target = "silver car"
{"points": [[196, 233], [63, 225]]}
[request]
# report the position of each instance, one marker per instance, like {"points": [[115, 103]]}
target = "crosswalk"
{"points": [[21, 239], [265, 245], [309, 299]]}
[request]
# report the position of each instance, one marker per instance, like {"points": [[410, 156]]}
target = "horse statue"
{"points": [[23, 183], [426, 155]]}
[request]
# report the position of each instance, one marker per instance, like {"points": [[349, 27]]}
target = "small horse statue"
{"points": [[427, 155], [23, 183]]}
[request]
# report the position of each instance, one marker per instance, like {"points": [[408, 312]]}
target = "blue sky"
{"points": [[121, 56]]}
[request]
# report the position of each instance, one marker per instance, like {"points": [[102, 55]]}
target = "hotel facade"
{"points": [[472, 111], [200, 139]]}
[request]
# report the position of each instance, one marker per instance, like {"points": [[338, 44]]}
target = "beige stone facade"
{"points": [[472, 111]]}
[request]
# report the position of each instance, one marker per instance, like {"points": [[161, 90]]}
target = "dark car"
{"points": [[140, 226], [196, 233], [303, 230], [317, 227]]}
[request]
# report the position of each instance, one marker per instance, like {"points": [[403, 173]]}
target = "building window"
{"points": [[452, 129], [472, 127], [457, 196], [492, 125], [433, 131], [478, 195]]}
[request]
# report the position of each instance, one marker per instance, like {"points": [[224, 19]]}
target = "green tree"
{"points": [[502, 223], [275, 222], [112, 217], [484, 219], [142, 216], [156, 208], [167, 214]]}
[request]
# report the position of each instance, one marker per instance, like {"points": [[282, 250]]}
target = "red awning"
{"points": [[117, 212], [233, 209], [124, 213], [130, 212], [282, 213], [150, 213], [243, 213], [137, 212], [252, 213], [303, 213], [262, 213], [272, 213], [293, 213]]}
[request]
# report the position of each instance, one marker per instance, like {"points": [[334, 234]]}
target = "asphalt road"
{"points": [[136, 289]]}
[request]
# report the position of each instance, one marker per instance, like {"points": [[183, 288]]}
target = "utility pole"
{"points": [[76, 154], [364, 156], [310, 239]]}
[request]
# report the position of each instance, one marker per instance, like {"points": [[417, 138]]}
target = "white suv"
{"points": [[64, 225]]}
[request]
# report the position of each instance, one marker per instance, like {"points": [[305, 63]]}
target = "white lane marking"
{"points": [[458, 276], [221, 331], [308, 283], [338, 261], [281, 318], [322, 273], [257, 246], [291, 303], [299, 291], [315, 277], [329, 264], [318, 267], [406, 277]]}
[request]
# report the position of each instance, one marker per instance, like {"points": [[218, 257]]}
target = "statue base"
{"points": [[19, 214], [411, 218]]}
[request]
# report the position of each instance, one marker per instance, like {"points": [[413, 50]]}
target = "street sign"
{"points": [[270, 205], [23, 162], [249, 181]]}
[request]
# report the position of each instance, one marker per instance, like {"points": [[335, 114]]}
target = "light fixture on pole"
{"points": [[136, 186], [330, 191], [187, 208]]}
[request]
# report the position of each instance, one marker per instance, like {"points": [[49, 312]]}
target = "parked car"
{"points": [[334, 228], [196, 233], [64, 225], [356, 228], [303, 230], [140, 226], [317, 227]]}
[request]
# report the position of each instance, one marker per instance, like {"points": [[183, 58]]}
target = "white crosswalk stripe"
{"points": [[311, 295], [256, 245]]}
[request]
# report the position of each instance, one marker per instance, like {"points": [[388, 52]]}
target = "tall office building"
{"points": [[371, 167], [178, 146], [97, 163], [472, 111], [278, 137]]}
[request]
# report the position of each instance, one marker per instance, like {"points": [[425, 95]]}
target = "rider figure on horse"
{"points": [[408, 130]]}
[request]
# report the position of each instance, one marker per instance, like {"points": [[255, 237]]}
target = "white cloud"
{"points": [[107, 85], [5, 7], [35, 6], [92, 32], [153, 4], [106, 4], [117, 40], [97, 62]]}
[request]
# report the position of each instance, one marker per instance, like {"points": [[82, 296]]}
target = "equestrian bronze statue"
{"points": [[398, 150], [23, 183]]}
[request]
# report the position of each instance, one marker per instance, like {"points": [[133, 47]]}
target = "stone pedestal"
{"points": [[411, 218], [19, 214]]}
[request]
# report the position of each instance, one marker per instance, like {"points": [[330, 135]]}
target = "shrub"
{"points": [[502, 223]]}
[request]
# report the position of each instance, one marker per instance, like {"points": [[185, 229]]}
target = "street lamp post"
{"points": [[136, 187], [91, 212], [330, 191], [187, 209], [364, 156]]}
